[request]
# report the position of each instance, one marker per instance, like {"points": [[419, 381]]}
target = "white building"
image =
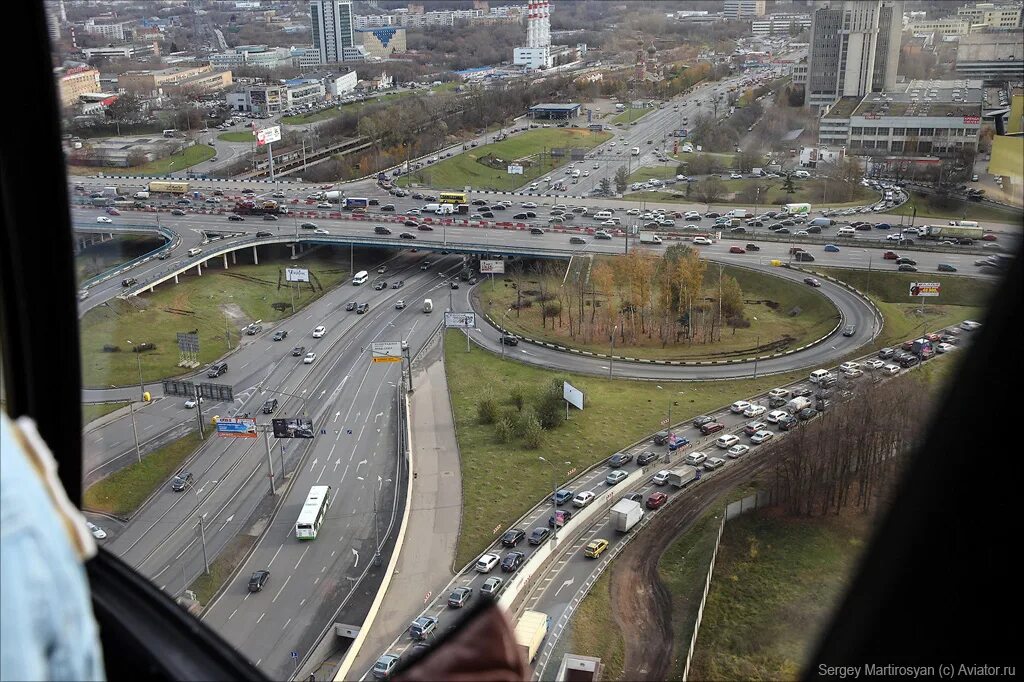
{"points": [[114, 31], [537, 52], [743, 9], [780, 24], [252, 55]]}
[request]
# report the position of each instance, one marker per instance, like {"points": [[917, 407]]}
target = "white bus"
{"points": [[314, 509], [360, 278]]}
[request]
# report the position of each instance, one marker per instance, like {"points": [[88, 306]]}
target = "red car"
{"points": [[113, 211], [711, 427], [890, 255], [656, 500], [989, 237], [737, 249], [933, 337]]}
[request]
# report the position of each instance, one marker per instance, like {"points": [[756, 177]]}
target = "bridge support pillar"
{"points": [[293, 251], [234, 258], [225, 261], [255, 257], [175, 279], [199, 269]]}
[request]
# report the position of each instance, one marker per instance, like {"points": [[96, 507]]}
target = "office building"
{"points": [[743, 9], [951, 26], [151, 83], [77, 81], [855, 46], [129, 51], [262, 100], [252, 55], [992, 15], [991, 55], [332, 27], [780, 24], [113, 30]]}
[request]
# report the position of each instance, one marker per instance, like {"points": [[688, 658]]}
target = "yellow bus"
{"points": [[157, 186], [452, 198]]}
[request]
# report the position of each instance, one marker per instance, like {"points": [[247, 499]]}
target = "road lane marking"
{"points": [[281, 590]]}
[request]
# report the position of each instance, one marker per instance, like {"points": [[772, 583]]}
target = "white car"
{"points": [[191, 402], [944, 348], [399, 304], [308, 360], [702, 241], [970, 325], [738, 406], [320, 230], [609, 223], [323, 204], [633, 211], [96, 531], [319, 331], [847, 366], [735, 176], [853, 373], [775, 415], [103, 219], [778, 393], [615, 477], [891, 369], [874, 364], [660, 478], [529, 204], [727, 441], [691, 215], [696, 458], [761, 436], [583, 499], [737, 450], [487, 562], [754, 410]]}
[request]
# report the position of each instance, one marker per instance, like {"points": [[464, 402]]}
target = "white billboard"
{"points": [[515, 169], [460, 320], [296, 275], [387, 351], [572, 395], [492, 267], [271, 134]]}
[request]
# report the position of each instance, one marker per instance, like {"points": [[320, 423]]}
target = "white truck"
{"points": [[635, 151], [332, 197], [626, 514], [649, 238], [428, 305], [141, 195], [680, 476], [797, 404], [530, 632]]}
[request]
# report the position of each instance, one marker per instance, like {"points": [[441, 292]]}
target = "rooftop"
{"points": [[555, 107]]}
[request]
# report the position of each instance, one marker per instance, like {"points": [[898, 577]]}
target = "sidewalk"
{"points": [[424, 564]]}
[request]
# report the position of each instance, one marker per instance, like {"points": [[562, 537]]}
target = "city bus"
{"points": [[314, 510], [360, 278], [452, 198]]}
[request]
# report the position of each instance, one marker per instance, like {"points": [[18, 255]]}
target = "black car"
{"points": [[752, 247], [905, 261], [509, 340], [701, 420], [380, 229], [279, 335], [178, 211], [270, 406], [235, 218], [863, 226], [487, 214], [374, 202], [539, 535], [814, 229], [787, 423], [182, 481], [712, 215], [425, 228], [620, 459], [128, 281], [849, 330], [646, 458], [454, 285], [460, 596], [387, 207], [806, 413], [407, 235], [566, 515], [217, 369], [512, 561], [512, 537], [380, 286], [411, 223], [777, 402], [498, 207], [264, 234], [269, 216], [906, 267], [417, 195], [536, 230], [398, 285], [782, 230], [308, 226], [908, 361], [802, 392], [478, 202], [520, 216], [661, 437], [362, 308], [298, 351], [258, 580], [635, 497]]}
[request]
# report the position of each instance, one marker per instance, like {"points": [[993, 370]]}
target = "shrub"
{"points": [[487, 411]]}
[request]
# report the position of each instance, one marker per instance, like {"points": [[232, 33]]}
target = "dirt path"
{"points": [[641, 603]]}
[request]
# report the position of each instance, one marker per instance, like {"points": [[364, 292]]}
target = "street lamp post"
{"points": [[554, 492], [611, 353], [138, 357]]}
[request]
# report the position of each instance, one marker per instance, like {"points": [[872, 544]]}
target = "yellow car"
{"points": [[214, 419], [594, 549]]}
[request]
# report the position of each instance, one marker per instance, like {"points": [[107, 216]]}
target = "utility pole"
{"points": [[135, 431], [376, 532], [202, 534]]}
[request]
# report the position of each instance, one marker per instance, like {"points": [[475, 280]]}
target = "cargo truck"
{"points": [[681, 476], [797, 404], [649, 238], [530, 632], [626, 514], [970, 231], [110, 192], [798, 209], [168, 187]]}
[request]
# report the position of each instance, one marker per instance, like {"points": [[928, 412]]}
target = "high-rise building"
{"points": [[537, 53], [332, 24], [743, 9], [855, 48]]}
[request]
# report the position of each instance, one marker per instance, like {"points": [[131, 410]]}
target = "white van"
{"points": [[360, 278], [846, 232], [428, 305], [635, 151], [194, 252], [444, 209], [817, 375], [602, 215], [430, 208]]}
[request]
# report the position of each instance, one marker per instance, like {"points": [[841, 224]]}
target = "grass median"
{"points": [[485, 167], [501, 481], [190, 156], [93, 411], [629, 115], [124, 491], [236, 137], [962, 210]]}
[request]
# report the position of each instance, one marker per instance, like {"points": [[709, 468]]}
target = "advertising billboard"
{"points": [[492, 267], [236, 427], [296, 274], [514, 169], [267, 135], [572, 395], [292, 427], [460, 320], [925, 288], [387, 351]]}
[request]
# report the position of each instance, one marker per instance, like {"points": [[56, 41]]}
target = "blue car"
{"points": [[883, 226], [831, 248], [563, 496], [675, 442]]}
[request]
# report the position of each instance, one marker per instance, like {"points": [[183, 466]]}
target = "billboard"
{"points": [[514, 169], [292, 427], [296, 274], [572, 395], [460, 320], [387, 351], [492, 267], [925, 288], [236, 427], [267, 135]]}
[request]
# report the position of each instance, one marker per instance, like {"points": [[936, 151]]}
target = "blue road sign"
{"points": [[295, 654]]}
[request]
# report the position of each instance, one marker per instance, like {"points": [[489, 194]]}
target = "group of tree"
{"points": [[524, 414]]}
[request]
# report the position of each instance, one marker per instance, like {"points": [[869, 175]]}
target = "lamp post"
{"points": [[611, 352], [554, 492], [138, 357]]}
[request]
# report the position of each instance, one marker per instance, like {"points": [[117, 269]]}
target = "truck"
{"points": [[681, 476], [952, 231], [797, 404], [168, 187], [101, 202], [354, 202], [530, 632], [626, 514], [257, 207], [635, 151], [798, 209], [649, 238], [141, 195], [334, 196], [428, 305], [110, 192]]}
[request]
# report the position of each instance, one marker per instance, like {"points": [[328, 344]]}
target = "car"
{"points": [[775, 415], [713, 463], [702, 241], [583, 499], [831, 248], [886, 353], [562, 496], [661, 478], [853, 373], [656, 500], [423, 627], [492, 586], [615, 477], [737, 249], [702, 419], [620, 459], [264, 234], [319, 331], [811, 281], [711, 427], [512, 561], [737, 450], [970, 325], [96, 531], [380, 285], [754, 410], [695, 458], [399, 304], [806, 413], [103, 219], [513, 537], [279, 335], [761, 436], [944, 347], [595, 548], [388, 207], [309, 359], [398, 284], [182, 481], [487, 562], [727, 441], [874, 364], [788, 422], [177, 211], [235, 218], [577, 240], [905, 261], [257, 580], [738, 406], [453, 284], [849, 330], [752, 247], [906, 268], [384, 666], [407, 235], [803, 391], [129, 281], [509, 340], [538, 535], [778, 393], [847, 366], [192, 402], [645, 458], [362, 308]]}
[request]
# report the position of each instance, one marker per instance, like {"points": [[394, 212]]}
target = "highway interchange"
{"points": [[355, 402]]}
